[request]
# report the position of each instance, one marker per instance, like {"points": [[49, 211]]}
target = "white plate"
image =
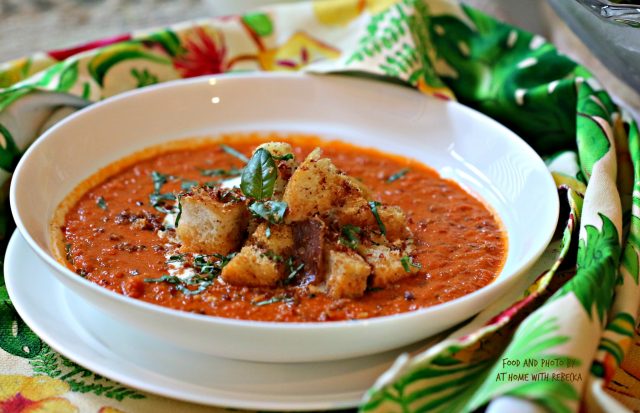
{"points": [[462, 144], [79, 332]]}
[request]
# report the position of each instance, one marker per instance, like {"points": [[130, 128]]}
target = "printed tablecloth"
{"points": [[559, 347]]}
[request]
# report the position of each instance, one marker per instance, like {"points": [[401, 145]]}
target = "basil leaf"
{"points": [[407, 263], [397, 175], [259, 176], [271, 211], [233, 152], [374, 210], [350, 237], [102, 204]]}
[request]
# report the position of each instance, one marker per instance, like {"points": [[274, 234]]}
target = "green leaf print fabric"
{"points": [[556, 347]]}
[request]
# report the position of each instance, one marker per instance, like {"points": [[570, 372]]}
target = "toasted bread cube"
{"points": [[346, 275], [277, 149], [317, 187], [252, 268], [309, 238], [211, 222], [386, 265], [395, 222], [365, 192], [285, 167], [360, 214], [280, 240]]}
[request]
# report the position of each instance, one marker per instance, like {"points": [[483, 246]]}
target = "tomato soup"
{"points": [[110, 232]]}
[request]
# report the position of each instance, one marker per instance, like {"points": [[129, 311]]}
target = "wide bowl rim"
{"points": [[59, 268]]}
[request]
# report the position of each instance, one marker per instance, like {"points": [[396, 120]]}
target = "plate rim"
{"points": [[18, 245]]}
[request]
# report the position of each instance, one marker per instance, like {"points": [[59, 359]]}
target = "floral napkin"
{"points": [[557, 348]]}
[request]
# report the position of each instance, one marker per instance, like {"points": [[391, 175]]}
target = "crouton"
{"points": [[277, 149], [213, 220], [386, 264], [309, 238], [359, 214], [280, 239], [365, 192], [286, 167], [253, 267], [317, 187], [346, 275]]}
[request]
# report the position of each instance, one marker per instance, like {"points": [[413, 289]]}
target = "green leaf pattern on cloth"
{"points": [[582, 308]]}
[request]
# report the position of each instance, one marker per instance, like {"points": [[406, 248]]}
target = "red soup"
{"points": [[110, 231]]}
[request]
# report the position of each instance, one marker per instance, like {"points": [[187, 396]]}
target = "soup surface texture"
{"points": [[110, 232]]}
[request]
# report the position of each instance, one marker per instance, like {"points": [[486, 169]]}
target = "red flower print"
{"points": [[62, 54], [202, 55]]}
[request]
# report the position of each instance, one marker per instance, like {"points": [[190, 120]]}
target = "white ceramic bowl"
{"points": [[462, 144]]}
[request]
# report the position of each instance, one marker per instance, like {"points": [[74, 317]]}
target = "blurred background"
{"points": [[27, 26]]}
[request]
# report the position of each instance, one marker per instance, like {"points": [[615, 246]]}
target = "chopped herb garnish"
{"points": [[273, 256], [373, 289], [398, 175], [202, 283], [221, 172], [277, 299], [187, 184], [293, 270], [69, 256], [158, 201], [171, 279], [224, 259], [176, 258], [374, 210], [159, 179], [102, 204], [271, 211], [350, 236], [259, 176], [179, 215], [233, 152], [203, 265], [285, 157], [407, 263]]}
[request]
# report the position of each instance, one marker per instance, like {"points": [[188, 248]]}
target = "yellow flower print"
{"points": [[13, 72], [439, 92], [298, 51], [342, 12], [39, 394]]}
